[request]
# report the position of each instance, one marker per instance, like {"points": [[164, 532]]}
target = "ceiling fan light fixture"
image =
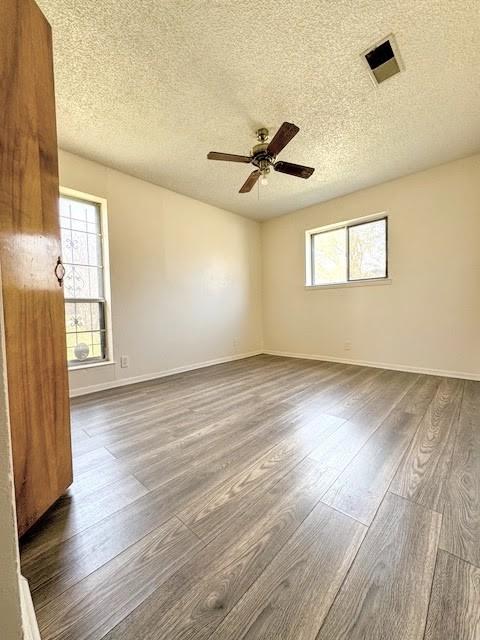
{"points": [[265, 170]]}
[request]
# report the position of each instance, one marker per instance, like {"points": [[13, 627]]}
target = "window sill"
{"points": [[89, 365], [359, 283]]}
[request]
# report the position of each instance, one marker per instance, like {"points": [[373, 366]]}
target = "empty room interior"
{"points": [[240, 320]]}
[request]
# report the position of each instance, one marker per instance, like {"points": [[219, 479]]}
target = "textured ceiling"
{"points": [[150, 86]]}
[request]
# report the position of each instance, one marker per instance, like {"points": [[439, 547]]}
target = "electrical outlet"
{"points": [[124, 362], [347, 346]]}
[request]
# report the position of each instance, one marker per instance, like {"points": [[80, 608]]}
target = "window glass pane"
{"points": [[67, 244], [85, 347], [65, 222], [79, 242], [95, 276], [78, 210], [329, 257], [81, 248], [94, 250], [82, 316], [65, 207], [368, 250], [83, 283], [85, 331], [78, 225]]}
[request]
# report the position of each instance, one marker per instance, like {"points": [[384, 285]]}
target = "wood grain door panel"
{"points": [[29, 248]]}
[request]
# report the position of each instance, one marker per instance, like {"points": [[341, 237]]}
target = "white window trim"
{"points": [[372, 282], [102, 203], [339, 225]]}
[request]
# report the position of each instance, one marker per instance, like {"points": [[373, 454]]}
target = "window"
{"points": [[352, 252], [82, 224]]}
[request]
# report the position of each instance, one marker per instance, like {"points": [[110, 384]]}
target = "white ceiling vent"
{"points": [[383, 60]]}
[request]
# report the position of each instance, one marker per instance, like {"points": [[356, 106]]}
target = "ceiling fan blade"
{"points": [[283, 136], [250, 181], [229, 157], [297, 170]]}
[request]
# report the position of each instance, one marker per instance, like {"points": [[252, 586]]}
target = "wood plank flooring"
{"points": [[267, 499]]}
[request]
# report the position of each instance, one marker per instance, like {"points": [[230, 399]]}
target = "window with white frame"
{"points": [[82, 222], [351, 252]]}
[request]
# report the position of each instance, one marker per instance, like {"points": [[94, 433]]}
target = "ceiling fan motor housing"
{"points": [[260, 157]]}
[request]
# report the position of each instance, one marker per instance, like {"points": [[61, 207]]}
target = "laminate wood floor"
{"points": [[267, 499]]}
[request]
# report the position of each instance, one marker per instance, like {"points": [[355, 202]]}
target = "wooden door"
{"points": [[29, 248]]}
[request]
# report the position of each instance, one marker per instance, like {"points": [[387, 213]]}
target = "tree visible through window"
{"points": [[329, 255], [81, 231], [356, 251]]}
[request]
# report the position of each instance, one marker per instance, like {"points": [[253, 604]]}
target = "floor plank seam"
{"points": [[396, 468], [112, 630], [244, 594], [414, 435], [417, 504], [454, 448], [352, 419], [205, 542], [431, 591], [161, 524], [281, 475], [143, 485], [260, 496], [366, 400], [457, 427], [344, 513], [367, 529], [347, 573], [455, 555]]}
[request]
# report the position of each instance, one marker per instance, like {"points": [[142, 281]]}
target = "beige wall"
{"points": [[11, 626], [428, 318], [185, 277]]}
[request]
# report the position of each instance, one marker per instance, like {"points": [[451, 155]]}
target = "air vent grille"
{"points": [[383, 60]]}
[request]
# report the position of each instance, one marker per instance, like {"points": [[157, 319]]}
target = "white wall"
{"points": [[11, 625], [185, 277], [427, 318]]}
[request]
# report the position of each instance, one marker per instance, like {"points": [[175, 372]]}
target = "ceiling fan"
{"points": [[264, 156]]}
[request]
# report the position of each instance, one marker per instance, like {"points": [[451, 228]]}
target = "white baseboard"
{"points": [[30, 626], [378, 365], [112, 384]]}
